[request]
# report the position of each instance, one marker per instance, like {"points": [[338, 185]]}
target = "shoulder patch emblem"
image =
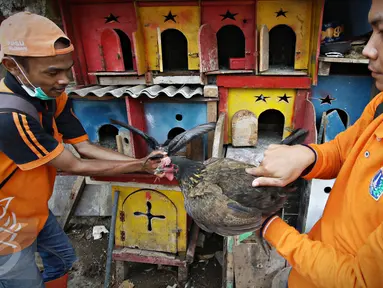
{"points": [[376, 185]]}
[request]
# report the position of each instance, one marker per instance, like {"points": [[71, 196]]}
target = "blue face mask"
{"points": [[37, 92]]}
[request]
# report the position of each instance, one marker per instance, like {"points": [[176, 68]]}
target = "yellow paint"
{"points": [[298, 17], [240, 99], [188, 22], [164, 236]]}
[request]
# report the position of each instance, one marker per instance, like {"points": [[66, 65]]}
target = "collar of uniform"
{"points": [[11, 82]]}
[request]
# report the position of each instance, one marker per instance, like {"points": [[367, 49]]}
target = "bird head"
{"points": [[178, 167]]}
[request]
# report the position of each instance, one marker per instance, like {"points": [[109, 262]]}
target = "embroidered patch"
{"points": [[376, 185]]}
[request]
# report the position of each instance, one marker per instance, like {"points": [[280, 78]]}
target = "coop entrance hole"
{"points": [[174, 132], [174, 50], [126, 47], [231, 44], [282, 47], [107, 136], [271, 124]]}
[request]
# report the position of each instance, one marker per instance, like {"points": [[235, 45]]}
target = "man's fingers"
{"points": [[256, 171], [265, 181]]}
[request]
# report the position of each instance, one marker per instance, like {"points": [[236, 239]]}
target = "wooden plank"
{"points": [[212, 114], [244, 129], [194, 150], [208, 49], [192, 243], [177, 80], [122, 255], [344, 60], [217, 151], [112, 51], [263, 49], [333, 126], [223, 107], [260, 82], [121, 80], [136, 117], [324, 68], [159, 49], [139, 49], [74, 198], [125, 143]]}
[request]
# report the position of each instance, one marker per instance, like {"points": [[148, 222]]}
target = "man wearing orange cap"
{"points": [[38, 59]]}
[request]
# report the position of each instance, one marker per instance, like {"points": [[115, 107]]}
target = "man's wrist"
{"points": [[265, 223], [310, 166]]}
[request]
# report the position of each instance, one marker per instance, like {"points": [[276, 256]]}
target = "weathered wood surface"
{"points": [[263, 49], [218, 136], [244, 129]]}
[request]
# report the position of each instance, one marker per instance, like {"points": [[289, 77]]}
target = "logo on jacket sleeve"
{"points": [[376, 185]]}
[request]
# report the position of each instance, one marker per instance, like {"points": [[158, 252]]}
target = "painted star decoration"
{"points": [[111, 19], [284, 98], [281, 13], [228, 15], [261, 98], [171, 17], [327, 100]]}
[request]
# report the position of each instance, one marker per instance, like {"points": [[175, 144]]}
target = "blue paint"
{"points": [[161, 117], [333, 126], [351, 94], [94, 114]]}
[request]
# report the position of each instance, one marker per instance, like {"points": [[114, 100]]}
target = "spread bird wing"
{"points": [[180, 141], [153, 144]]}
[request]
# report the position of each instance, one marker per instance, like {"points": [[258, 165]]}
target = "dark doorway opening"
{"points": [[342, 114], [282, 47], [174, 50], [271, 124], [126, 47], [231, 44], [174, 132], [107, 136]]}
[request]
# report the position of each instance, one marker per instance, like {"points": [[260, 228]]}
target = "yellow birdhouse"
{"points": [[151, 218], [284, 36], [259, 109], [171, 34]]}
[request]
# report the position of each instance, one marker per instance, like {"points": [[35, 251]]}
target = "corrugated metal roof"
{"points": [[153, 91]]}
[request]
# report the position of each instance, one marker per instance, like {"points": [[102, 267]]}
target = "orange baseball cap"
{"points": [[31, 35]]}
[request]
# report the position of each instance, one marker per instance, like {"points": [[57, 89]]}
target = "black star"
{"points": [[281, 13], [327, 100], [284, 98], [228, 15], [111, 18], [170, 16], [244, 21], [261, 98]]}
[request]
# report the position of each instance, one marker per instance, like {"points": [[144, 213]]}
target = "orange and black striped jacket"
{"points": [[345, 247], [26, 146]]}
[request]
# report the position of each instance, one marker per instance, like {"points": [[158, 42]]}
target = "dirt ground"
{"points": [[89, 271]]}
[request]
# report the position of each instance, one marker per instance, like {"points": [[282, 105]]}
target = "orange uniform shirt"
{"points": [[345, 247], [26, 182]]}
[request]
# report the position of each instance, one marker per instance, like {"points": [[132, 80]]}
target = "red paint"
{"points": [[148, 196], [223, 107], [207, 49], [304, 115], [264, 82], [237, 63], [79, 68], [136, 178], [315, 73], [215, 3], [175, 3], [112, 51], [88, 23], [136, 116], [211, 14]]}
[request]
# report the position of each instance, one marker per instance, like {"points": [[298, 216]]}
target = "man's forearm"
{"points": [[92, 167], [92, 151]]}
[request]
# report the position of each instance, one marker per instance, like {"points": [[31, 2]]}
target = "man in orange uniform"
{"points": [[345, 247], [38, 59]]}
